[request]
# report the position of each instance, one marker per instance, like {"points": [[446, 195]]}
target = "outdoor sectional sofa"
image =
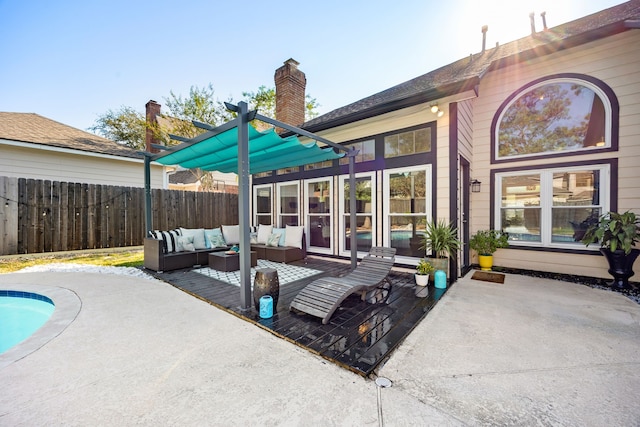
{"points": [[162, 252]]}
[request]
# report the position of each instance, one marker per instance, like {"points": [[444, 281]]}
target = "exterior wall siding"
{"points": [[22, 162], [615, 61]]}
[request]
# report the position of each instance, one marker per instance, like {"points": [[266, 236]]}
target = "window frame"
{"points": [[601, 89], [608, 194]]}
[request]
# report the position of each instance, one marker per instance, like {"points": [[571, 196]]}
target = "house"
{"points": [[547, 127], [33, 146]]}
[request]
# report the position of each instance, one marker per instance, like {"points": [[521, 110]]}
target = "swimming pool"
{"points": [[21, 314]]}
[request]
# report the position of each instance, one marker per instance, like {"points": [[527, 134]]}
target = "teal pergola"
{"points": [[238, 147]]}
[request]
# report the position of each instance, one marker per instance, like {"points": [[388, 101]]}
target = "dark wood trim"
{"points": [[453, 179]]}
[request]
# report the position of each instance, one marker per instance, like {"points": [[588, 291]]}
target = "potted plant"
{"points": [[441, 238], [617, 234], [423, 270], [485, 243]]}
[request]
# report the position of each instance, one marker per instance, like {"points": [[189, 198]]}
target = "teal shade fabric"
{"points": [[267, 151]]}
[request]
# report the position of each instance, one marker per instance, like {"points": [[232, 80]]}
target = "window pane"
{"points": [[288, 199], [364, 233], [366, 152], [319, 197], [407, 143], [551, 118], [521, 224], [263, 200], [406, 234], [320, 231], [570, 224], [580, 188], [363, 196], [520, 191]]}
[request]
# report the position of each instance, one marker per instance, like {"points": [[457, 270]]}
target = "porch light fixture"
{"points": [[475, 186], [436, 110]]}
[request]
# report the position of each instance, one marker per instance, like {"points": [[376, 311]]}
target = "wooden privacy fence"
{"points": [[47, 216]]}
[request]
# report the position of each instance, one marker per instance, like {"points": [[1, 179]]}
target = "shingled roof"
{"points": [[35, 129], [466, 73]]}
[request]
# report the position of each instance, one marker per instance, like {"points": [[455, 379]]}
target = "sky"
{"points": [[72, 61]]}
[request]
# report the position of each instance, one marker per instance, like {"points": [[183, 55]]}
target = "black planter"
{"points": [[620, 266]]}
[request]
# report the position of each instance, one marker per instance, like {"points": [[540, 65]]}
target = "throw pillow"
{"points": [[283, 235], [185, 243], [199, 240], [264, 232], [294, 236], [253, 238], [273, 240], [231, 234], [169, 239], [215, 238]]}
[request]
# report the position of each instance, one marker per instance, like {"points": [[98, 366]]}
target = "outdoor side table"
{"points": [[223, 261], [266, 282]]}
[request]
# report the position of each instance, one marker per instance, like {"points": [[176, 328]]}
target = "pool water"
{"points": [[21, 314]]}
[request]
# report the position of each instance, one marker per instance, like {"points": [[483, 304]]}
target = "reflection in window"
{"points": [[551, 207], [364, 207], [318, 165], [407, 143], [288, 204], [407, 211], [263, 205], [551, 118], [319, 218], [366, 152]]}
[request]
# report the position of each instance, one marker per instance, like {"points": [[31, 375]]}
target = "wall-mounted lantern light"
{"points": [[475, 186]]}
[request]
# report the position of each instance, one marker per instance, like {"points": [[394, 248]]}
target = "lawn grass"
{"points": [[115, 259]]}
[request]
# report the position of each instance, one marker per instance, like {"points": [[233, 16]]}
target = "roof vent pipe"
{"points": [[484, 36], [544, 20], [533, 22]]}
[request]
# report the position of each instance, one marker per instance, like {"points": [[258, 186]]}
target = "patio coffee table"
{"points": [[223, 261]]}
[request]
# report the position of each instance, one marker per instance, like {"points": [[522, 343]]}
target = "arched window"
{"points": [[562, 115]]}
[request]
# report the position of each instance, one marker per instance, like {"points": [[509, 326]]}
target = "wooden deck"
{"points": [[359, 337]]}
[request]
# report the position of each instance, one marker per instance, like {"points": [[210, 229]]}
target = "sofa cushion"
{"points": [[294, 236], [215, 238], [231, 234], [185, 243], [273, 240], [283, 235], [169, 239], [264, 232], [199, 240]]}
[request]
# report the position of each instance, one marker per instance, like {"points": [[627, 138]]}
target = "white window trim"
{"points": [[387, 195], [305, 187], [546, 202], [343, 179], [599, 92], [255, 201], [278, 213]]}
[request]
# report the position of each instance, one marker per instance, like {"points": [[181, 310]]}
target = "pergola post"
{"points": [[352, 212], [147, 194], [243, 205]]}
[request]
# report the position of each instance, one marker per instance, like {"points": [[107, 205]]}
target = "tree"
{"points": [[125, 126]]}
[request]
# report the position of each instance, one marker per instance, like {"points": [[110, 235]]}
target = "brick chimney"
{"points": [[290, 96], [152, 109]]}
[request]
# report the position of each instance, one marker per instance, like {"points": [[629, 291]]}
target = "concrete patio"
{"points": [[141, 352]]}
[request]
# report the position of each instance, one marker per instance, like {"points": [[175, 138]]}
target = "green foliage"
{"points": [[441, 239], [615, 231], [424, 267], [541, 121], [486, 242], [125, 126]]}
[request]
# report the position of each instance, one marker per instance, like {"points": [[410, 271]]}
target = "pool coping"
{"points": [[67, 307]]}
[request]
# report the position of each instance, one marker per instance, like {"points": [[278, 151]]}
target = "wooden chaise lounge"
{"points": [[322, 297]]}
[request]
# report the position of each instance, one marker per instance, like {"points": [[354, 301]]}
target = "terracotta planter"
{"points": [[486, 262]]}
